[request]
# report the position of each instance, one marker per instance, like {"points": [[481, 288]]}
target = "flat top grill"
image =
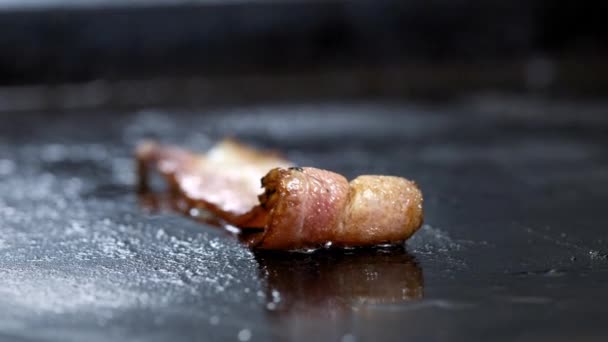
{"points": [[514, 245]]}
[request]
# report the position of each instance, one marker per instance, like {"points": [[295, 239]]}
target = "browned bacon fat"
{"points": [[297, 208], [224, 181]]}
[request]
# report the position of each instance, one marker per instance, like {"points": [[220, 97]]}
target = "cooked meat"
{"points": [[308, 208], [297, 207]]}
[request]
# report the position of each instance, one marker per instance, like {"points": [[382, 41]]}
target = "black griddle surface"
{"points": [[514, 245]]}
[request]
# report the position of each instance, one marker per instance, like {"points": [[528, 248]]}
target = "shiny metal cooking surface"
{"points": [[515, 245]]}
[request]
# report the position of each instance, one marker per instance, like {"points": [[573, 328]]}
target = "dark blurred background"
{"points": [[72, 54]]}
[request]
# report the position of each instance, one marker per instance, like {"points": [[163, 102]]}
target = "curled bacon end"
{"points": [[309, 207]]}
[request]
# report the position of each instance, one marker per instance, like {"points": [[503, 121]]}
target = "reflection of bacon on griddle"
{"points": [[298, 207], [326, 284]]}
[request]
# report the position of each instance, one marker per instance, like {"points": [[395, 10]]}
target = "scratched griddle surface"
{"points": [[514, 246]]}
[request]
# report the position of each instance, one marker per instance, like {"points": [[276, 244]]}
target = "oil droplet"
{"points": [[328, 244], [276, 296], [232, 229], [307, 250], [244, 335]]}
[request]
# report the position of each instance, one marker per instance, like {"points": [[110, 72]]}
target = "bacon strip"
{"points": [[299, 207], [225, 181]]}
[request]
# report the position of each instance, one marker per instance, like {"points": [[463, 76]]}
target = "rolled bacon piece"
{"points": [[299, 208], [308, 208]]}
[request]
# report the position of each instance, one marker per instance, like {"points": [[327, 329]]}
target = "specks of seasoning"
{"points": [[296, 168], [597, 255]]}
